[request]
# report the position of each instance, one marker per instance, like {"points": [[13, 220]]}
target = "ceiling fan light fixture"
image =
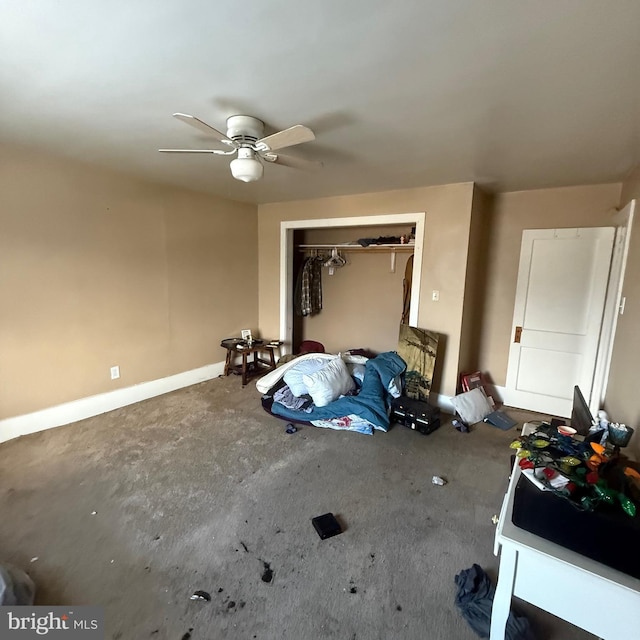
{"points": [[246, 170], [246, 167]]}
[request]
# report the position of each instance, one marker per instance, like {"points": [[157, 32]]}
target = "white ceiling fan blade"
{"points": [[204, 127], [217, 152], [287, 138], [290, 161]]}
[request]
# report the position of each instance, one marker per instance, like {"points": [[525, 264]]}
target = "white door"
{"points": [[562, 284]]}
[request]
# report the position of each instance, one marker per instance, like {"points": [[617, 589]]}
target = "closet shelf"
{"points": [[356, 247]]}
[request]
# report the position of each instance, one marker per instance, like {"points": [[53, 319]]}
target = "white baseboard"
{"points": [[499, 394], [441, 401], [95, 405]]}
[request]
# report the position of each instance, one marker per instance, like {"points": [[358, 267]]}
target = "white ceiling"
{"points": [[513, 95]]}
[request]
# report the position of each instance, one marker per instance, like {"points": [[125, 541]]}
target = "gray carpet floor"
{"points": [[200, 489]]}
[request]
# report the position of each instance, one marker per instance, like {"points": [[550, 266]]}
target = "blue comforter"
{"points": [[372, 403]]}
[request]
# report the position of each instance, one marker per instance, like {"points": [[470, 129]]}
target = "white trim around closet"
{"points": [[287, 227]]}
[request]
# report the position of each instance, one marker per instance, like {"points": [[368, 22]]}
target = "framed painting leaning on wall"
{"points": [[418, 348]]}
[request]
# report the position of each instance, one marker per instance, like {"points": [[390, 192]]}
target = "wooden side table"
{"points": [[249, 368]]}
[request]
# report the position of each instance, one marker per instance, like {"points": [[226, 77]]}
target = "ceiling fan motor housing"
{"points": [[245, 129]]}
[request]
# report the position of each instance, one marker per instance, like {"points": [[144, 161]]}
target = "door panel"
{"points": [[561, 307], [562, 282], [566, 365]]}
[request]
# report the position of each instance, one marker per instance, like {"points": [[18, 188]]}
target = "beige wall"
{"points": [[99, 269], [583, 206], [623, 398], [448, 210], [367, 277]]}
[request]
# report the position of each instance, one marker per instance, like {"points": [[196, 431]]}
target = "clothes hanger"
{"points": [[335, 261]]}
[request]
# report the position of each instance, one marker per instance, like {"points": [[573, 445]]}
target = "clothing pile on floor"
{"points": [[475, 602], [344, 391]]}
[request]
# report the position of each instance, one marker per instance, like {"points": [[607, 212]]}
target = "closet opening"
{"points": [[333, 234]]}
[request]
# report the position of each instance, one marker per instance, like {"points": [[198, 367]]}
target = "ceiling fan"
{"points": [[245, 137]]}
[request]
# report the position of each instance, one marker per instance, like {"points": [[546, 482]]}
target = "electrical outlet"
{"points": [[435, 295], [115, 372]]}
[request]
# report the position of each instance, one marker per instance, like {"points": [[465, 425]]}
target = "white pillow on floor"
{"points": [[472, 406], [328, 384], [293, 376]]}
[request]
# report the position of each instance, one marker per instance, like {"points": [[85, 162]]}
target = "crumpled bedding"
{"points": [[284, 396], [351, 422], [364, 412]]}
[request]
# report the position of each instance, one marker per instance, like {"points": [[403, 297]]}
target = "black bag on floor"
{"points": [[475, 600], [415, 414]]}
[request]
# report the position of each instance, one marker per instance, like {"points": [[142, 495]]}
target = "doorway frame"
{"points": [[287, 228], [614, 305]]}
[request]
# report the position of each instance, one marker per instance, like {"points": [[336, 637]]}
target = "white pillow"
{"points": [[472, 406], [293, 375], [329, 383], [356, 371]]}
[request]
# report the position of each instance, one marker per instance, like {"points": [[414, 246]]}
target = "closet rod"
{"points": [[372, 248]]}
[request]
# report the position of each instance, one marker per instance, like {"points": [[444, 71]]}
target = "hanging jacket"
{"points": [[308, 294]]}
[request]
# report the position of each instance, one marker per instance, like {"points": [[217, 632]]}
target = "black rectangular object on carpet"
{"points": [[415, 414], [326, 525]]}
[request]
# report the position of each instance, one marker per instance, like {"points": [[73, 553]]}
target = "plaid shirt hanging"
{"points": [[309, 288]]}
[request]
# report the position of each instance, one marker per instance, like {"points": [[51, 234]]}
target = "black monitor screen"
{"points": [[581, 418]]}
